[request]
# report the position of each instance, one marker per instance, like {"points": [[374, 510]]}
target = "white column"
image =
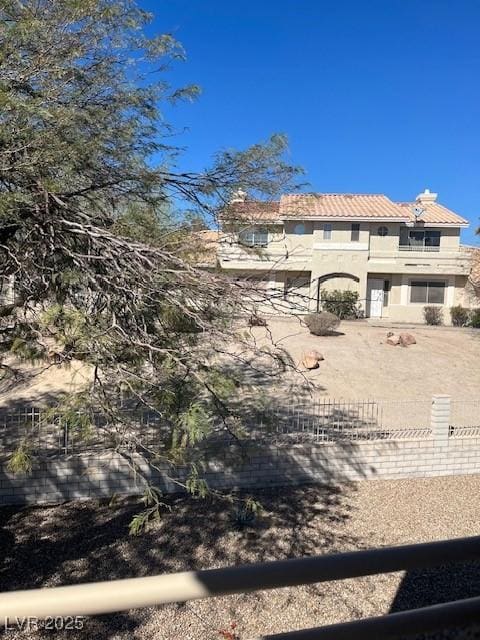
{"points": [[440, 418]]}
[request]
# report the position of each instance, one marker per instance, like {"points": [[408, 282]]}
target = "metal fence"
{"points": [[53, 434], [315, 421], [328, 420], [465, 419]]}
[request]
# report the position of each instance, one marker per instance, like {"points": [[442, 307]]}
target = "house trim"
{"points": [[341, 246], [347, 218]]}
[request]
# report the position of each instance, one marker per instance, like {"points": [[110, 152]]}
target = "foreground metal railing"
{"points": [[118, 595]]}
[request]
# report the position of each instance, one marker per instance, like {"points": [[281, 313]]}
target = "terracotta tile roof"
{"points": [[253, 210], [435, 213], [339, 205]]}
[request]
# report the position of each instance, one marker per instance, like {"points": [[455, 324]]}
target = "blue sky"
{"points": [[376, 96]]}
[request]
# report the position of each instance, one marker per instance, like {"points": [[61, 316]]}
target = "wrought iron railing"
{"points": [[410, 247]]}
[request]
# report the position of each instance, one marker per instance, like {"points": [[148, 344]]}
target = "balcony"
{"points": [[421, 259], [423, 248], [276, 255]]}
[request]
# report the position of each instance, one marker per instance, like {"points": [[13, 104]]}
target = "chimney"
{"points": [[426, 197], [238, 196]]}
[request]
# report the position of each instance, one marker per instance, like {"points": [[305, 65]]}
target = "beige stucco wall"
{"points": [[450, 239], [372, 256], [401, 309], [343, 284], [384, 243]]}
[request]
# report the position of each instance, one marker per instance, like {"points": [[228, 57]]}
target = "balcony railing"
{"points": [[118, 595], [421, 247]]}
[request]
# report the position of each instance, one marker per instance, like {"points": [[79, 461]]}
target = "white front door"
{"points": [[375, 298]]}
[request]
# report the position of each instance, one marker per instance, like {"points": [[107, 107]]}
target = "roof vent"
{"points": [[426, 197]]}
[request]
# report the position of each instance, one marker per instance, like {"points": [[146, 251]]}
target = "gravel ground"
{"points": [[84, 541]]}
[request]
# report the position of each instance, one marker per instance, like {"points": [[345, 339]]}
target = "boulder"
{"points": [[311, 359], [310, 363], [393, 340], [315, 354], [407, 339]]}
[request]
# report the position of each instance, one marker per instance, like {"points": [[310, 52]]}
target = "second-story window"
{"points": [[327, 231], [355, 235], [254, 237], [428, 239]]}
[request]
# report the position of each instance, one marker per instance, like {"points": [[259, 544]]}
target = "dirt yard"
{"points": [[359, 364], [38, 549], [41, 385]]}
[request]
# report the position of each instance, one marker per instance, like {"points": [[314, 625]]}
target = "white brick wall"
{"points": [[256, 464], [85, 476]]}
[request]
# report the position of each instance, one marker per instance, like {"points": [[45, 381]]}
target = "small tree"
{"points": [[343, 304], [92, 229]]}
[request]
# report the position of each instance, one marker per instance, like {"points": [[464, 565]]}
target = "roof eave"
{"points": [[346, 217], [454, 225]]}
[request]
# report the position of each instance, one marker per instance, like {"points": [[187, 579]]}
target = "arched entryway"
{"points": [[349, 279]]}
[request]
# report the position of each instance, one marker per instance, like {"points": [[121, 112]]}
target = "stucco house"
{"points": [[398, 256]]}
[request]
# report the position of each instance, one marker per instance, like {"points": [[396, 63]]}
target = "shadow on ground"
{"points": [[425, 587], [88, 541]]}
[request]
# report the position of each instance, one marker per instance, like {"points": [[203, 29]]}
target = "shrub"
{"points": [[474, 320], [433, 315], [256, 321], [343, 304], [459, 316], [321, 324]]}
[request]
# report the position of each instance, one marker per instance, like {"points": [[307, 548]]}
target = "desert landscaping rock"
{"points": [[404, 339], [310, 363], [312, 359]]}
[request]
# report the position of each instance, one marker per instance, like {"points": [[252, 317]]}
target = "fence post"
{"points": [[440, 418]]}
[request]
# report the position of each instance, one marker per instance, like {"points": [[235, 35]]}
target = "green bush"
{"points": [[459, 316], [343, 304], [433, 315], [321, 324], [474, 320]]}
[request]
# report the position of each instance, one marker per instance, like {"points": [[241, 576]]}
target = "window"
{"points": [[327, 231], [299, 229], [355, 235], [382, 231], [386, 292], [432, 238], [254, 237], [424, 238], [423, 292]]}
